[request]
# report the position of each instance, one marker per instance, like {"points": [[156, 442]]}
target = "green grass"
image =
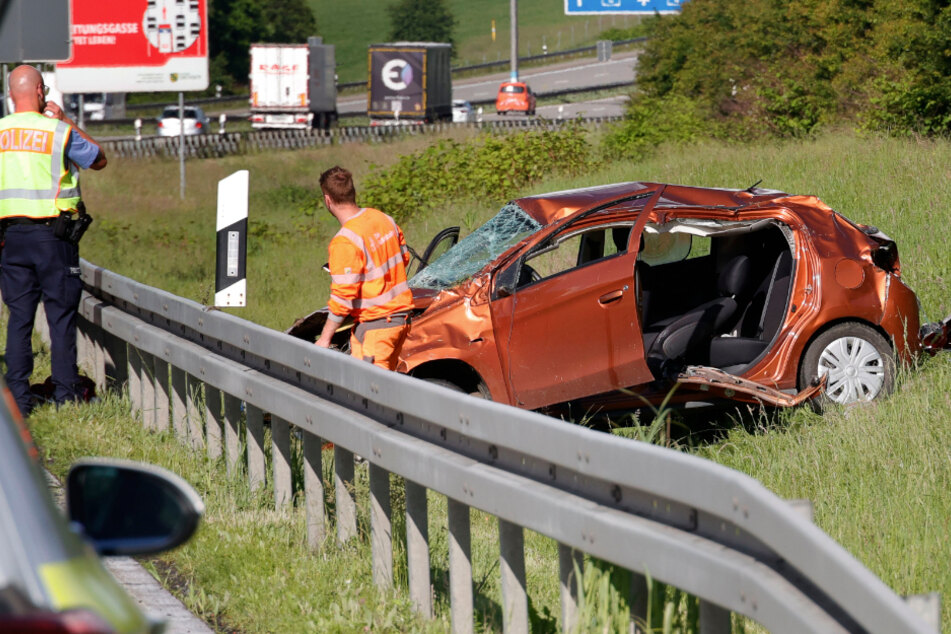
{"points": [[879, 475], [365, 22]]}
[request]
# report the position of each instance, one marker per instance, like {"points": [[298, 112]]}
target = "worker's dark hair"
{"points": [[338, 184]]}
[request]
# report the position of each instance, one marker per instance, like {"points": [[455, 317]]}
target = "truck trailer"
{"points": [[293, 85], [409, 82]]}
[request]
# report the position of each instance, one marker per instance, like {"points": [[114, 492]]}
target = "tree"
{"points": [[236, 24], [421, 21]]}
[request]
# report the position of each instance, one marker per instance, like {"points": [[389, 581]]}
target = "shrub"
{"points": [[786, 69], [493, 167], [653, 121]]}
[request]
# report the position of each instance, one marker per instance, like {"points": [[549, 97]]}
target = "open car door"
{"points": [[441, 242]]}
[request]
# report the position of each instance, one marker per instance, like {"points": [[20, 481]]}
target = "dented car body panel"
{"points": [[604, 297]]}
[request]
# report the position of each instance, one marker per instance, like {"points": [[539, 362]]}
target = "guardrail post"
{"points": [[213, 421], [714, 619], [134, 370], [232, 433], [196, 435], [96, 355], [512, 564], [163, 395], [344, 492], [381, 527], [417, 547], [84, 358], [146, 363], [640, 596], [116, 361], [179, 404], [460, 567], [314, 491], [928, 607], [257, 467], [281, 462], [570, 572]]}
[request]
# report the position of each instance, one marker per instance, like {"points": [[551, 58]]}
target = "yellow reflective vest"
{"points": [[36, 178]]}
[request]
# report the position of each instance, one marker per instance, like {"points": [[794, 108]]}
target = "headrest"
{"points": [[735, 276]]}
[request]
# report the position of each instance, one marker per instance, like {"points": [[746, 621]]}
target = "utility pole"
{"points": [[513, 11]]}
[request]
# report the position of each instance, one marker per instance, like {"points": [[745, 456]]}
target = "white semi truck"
{"points": [[293, 85]]}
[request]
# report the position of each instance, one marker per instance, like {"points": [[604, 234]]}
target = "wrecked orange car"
{"points": [[605, 298]]}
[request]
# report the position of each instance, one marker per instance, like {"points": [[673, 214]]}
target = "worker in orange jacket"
{"points": [[368, 259]]}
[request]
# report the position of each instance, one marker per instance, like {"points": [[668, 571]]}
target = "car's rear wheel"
{"points": [[857, 361], [481, 391]]}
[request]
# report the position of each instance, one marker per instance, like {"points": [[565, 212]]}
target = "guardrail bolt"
{"points": [[552, 472], [366, 403], [616, 493], [493, 452], [399, 417], [442, 433]]}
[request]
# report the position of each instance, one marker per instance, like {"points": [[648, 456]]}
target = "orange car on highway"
{"points": [[515, 96]]}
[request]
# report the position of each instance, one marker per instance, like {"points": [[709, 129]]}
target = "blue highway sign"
{"points": [[609, 7]]}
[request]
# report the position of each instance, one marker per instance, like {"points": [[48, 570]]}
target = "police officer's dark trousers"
{"points": [[35, 265]]}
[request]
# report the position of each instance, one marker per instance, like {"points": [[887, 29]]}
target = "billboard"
{"points": [[396, 82], [137, 46], [621, 7]]}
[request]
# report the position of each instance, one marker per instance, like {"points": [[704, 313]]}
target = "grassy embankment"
{"points": [[879, 475]]}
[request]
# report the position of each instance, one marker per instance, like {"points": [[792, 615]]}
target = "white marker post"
{"points": [[232, 254]]}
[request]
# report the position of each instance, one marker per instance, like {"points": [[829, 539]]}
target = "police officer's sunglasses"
{"points": [[46, 90]]}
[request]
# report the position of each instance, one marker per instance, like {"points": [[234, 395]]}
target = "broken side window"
{"points": [[478, 249]]}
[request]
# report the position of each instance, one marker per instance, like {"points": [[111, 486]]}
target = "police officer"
{"points": [[40, 150]]}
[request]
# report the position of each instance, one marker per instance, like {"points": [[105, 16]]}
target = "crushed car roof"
{"points": [[547, 208]]}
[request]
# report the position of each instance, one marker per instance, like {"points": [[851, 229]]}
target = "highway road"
{"points": [[570, 75]]}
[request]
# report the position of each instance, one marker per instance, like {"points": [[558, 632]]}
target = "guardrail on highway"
{"points": [[708, 530], [217, 145]]}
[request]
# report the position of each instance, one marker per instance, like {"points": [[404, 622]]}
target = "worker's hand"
{"points": [[323, 343], [53, 111]]}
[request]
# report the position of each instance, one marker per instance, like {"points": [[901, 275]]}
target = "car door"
{"points": [[441, 242], [570, 327]]}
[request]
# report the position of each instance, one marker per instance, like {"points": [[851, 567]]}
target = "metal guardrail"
{"points": [[708, 530], [217, 145]]}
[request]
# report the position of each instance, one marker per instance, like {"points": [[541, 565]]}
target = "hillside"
{"points": [[354, 25]]}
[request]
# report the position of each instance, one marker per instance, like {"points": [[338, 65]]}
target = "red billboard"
{"points": [[136, 46]]}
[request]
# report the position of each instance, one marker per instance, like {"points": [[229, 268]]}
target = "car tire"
{"points": [[481, 390], [859, 362]]}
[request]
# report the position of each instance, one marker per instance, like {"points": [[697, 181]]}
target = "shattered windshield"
{"points": [[477, 249]]}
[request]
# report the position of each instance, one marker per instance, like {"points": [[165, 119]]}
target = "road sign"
{"points": [[616, 7], [34, 30], [137, 46]]}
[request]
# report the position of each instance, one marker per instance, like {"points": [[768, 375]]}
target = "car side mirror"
{"points": [[127, 508], [507, 281]]}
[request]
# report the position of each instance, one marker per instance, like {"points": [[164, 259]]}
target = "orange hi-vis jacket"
{"points": [[368, 259]]}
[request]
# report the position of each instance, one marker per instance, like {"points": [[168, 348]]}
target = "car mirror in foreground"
{"points": [[127, 508]]}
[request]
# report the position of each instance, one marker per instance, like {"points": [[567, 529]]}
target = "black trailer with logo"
{"points": [[409, 82]]}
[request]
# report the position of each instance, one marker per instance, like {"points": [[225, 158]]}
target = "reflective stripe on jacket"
{"points": [[368, 259], [34, 178]]}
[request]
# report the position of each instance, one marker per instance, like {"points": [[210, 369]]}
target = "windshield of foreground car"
{"points": [[477, 249]]}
